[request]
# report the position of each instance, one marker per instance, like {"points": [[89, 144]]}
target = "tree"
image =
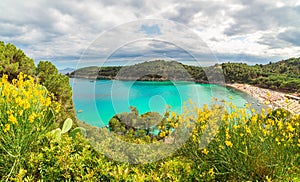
{"points": [[13, 61], [57, 84], [44, 69]]}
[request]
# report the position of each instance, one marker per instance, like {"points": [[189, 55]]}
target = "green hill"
{"points": [[283, 75]]}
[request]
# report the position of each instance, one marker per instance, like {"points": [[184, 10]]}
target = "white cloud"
{"points": [[62, 30]]}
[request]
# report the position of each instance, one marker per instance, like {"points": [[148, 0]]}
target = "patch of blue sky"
{"points": [[151, 29]]}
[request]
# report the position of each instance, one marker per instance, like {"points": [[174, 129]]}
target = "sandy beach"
{"points": [[273, 99]]}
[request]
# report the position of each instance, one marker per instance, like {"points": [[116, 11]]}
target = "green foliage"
{"points": [[44, 69], [283, 75], [27, 113], [73, 133], [13, 61], [149, 127], [57, 84], [245, 147], [67, 125], [252, 147]]}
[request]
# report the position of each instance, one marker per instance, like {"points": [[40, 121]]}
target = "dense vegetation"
{"points": [[13, 61], [283, 75], [223, 143]]}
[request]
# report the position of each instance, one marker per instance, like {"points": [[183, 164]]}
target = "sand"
{"points": [[273, 99]]}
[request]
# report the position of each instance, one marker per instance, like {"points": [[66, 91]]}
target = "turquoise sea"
{"points": [[96, 101]]}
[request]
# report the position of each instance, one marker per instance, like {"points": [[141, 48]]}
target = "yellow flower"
{"points": [[290, 128], [12, 119], [227, 136], [247, 130], [211, 172], [10, 112], [205, 151], [221, 147], [48, 102], [21, 112], [228, 143], [173, 114], [287, 101], [6, 128], [32, 117], [162, 134]]}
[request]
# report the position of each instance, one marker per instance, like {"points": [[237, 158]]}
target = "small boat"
{"points": [[80, 111], [92, 81]]}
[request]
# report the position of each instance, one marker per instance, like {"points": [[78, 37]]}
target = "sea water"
{"points": [[97, 101]]}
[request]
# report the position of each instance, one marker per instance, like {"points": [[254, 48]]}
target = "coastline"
{"points": [[271, 98]]}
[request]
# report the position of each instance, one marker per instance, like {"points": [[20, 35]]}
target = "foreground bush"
{"points": [[244, 145], [27, 112], [226, 143]]}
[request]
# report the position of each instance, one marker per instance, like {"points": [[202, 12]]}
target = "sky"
{"points": [[77, 33]]}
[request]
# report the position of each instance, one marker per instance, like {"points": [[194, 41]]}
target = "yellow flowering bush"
{"points": [[27, 112], [243, 144]]}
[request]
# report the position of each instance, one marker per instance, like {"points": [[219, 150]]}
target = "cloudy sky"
{"points": [[118, 32]]}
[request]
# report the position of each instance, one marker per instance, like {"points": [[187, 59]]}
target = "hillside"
{"points": [[283, 75]]}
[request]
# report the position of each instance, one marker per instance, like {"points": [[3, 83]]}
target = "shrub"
{"points": [[245, 145], [27, 113]]}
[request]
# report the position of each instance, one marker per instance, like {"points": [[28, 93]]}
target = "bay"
{"points": [[97, 101]]}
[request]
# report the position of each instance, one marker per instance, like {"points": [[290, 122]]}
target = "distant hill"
{"points": [[283, 75], [66, 70], [159, 70]]}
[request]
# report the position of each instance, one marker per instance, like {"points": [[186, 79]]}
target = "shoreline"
{"points": [[271, 98]]}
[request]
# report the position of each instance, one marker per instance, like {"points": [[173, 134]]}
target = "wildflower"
{"points": [[235, 127], [228, 136], [12, 119], [211, 172], [162, 134], [21, 112], [26, 104], [268, 179], [205, 151], [6, 128], [228, 143], [32, 117], [290, 128], [287, 101], [173, 114], [203, 128], [221, 147], [47, 102], [10, 112], [247, 130]]}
